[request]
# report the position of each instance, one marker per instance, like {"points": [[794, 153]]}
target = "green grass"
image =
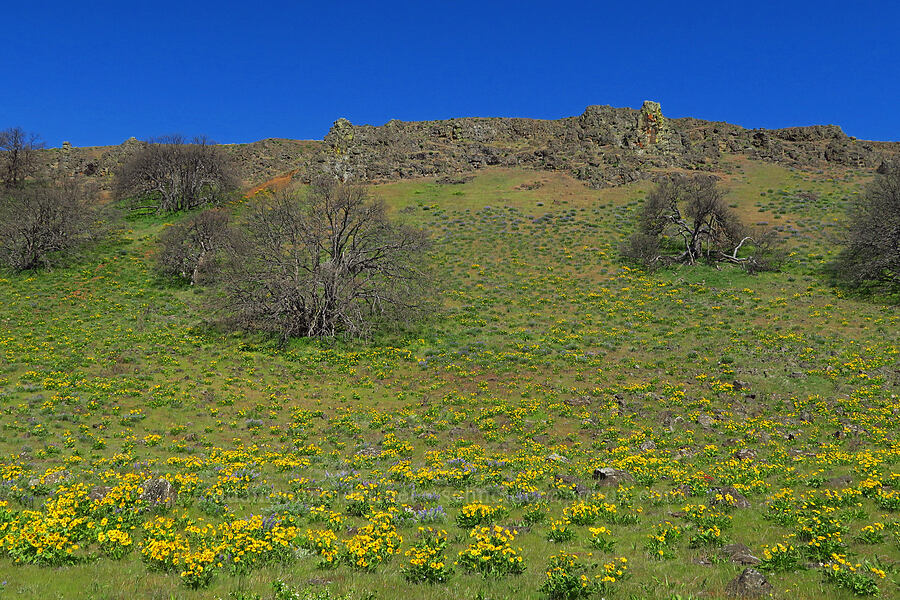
{"points": [[548, 344]]}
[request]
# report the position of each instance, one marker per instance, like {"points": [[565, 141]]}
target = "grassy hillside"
{"points": [[552, 359]]}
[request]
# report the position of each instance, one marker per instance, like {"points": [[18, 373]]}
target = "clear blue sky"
{"points": [[98, 72]]}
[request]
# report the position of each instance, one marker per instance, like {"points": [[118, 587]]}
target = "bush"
{"points": [[171, 174], [323, 264], [18, 155], [871, 259], [190, 249], [38, 224], [686, 220]]}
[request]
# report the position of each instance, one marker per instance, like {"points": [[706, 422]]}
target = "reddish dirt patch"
{"points": [[275, 184]]}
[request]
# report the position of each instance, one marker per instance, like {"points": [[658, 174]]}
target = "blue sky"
{"points": [[99, 72]]}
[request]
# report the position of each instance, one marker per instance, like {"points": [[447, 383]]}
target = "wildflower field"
{"points": [[566, 427]]}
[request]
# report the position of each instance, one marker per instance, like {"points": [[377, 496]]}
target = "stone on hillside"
{"points": [[749, 584], [51, 479], [739, 554], [158, 491], [610, 476], [738, 500], [648, 445], [840, 482], [99, 492], [744, 454], [579, 488], [558, 458], [670, 420]]}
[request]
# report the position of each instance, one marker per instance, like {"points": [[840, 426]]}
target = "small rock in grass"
{"points": [[158, 491], [744, 454], [739, 554], [610, 476], [738, 500], [749, 584]]}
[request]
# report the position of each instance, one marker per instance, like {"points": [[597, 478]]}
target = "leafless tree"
{"points": [[190, 249], [18, 155], [174, 174], [39, 223], [327, 263], [872, 255], [686, 220]]}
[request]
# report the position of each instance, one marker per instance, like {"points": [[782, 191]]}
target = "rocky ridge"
{"points": [[604, 147]]}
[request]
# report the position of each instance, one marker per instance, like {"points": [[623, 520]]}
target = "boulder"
{"points": [[705, 420], [670, 420], [49, 480], [580, 488], [739, 554], [840, 482], [744, 454], [558, 458], [739, 500], [158, 491], [99, 492], [749, 584], [610, 476]]}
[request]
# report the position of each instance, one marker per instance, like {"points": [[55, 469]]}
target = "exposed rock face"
{"points": [[255, 163], [604, 146]]}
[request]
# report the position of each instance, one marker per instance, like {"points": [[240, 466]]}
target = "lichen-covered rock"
{"points": [[99, 492], [739, 554], [610, 476], [728, 495], [749, 584], [158, 491]]}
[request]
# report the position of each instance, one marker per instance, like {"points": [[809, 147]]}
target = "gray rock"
{"points": [[580, 488], [739, 554], [744, 454], [670, 420], [99, 492], [740, 501], [610, 476], [158, 491], [749, 584], [50, 480], [840, 482]]}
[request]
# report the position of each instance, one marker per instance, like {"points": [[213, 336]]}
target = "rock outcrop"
{"points": [[604, 146]]}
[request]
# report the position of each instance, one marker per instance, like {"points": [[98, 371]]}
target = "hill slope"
{"points": [[550, 360]]}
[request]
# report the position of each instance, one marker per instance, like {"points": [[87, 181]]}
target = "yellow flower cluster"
{"points": [[374, 543], [427, 563], [477, 513], [491, 552]]}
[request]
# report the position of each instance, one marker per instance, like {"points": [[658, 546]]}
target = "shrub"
{"points": [[171, 174], [686, 220], [323, 264], [189, 249], [39, 223], [871, 258]]}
